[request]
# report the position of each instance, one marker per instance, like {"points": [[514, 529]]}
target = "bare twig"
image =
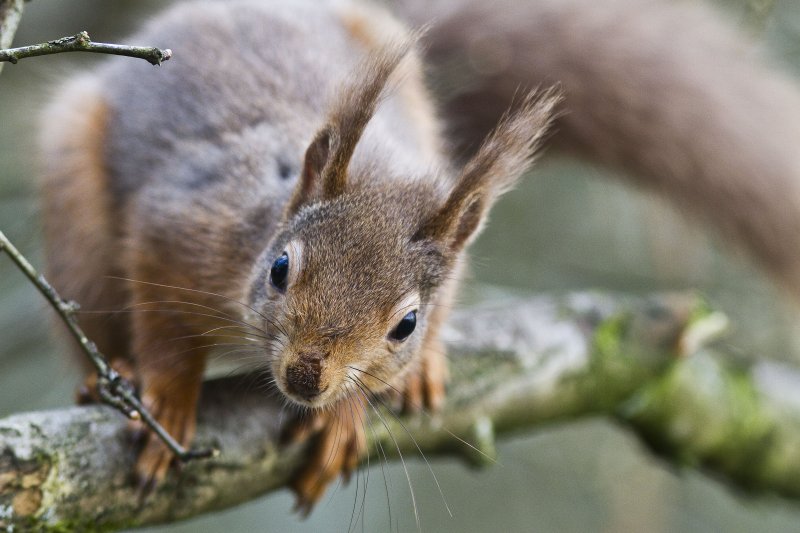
{"points": [[113, 389], [81, 42], [10, 15]]}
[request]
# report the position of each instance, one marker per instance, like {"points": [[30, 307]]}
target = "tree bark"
{"points": [[516, 365]]}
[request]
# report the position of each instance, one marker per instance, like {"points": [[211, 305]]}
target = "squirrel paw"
{"points": [[425, 386], [155, 458], [339, 443], [87, 392]]}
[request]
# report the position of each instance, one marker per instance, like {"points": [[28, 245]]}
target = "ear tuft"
{"points": [[355, 106], [504, 156], [328, 156], [314, 162]]}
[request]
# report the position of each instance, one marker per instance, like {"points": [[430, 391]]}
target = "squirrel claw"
{"points": [[425, 387], [155, 458]]}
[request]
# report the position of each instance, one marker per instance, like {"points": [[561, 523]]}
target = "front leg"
{"points": [[170, 363], [338, 444], [425, 385]]}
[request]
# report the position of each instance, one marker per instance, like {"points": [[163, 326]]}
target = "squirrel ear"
{"points": [[505, 154], [315, 160], [328, 156]]}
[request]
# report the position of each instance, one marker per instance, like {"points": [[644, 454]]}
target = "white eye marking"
{"points": [[411, 302], [295, 252], [286, 268]]}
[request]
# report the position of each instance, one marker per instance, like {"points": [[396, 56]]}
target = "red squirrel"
{"points": [[287, 177]]}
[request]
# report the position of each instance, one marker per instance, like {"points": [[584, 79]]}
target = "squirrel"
{"points": [[290, 178]]}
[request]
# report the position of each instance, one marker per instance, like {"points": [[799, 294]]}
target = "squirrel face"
{"points": [[347, 286]]}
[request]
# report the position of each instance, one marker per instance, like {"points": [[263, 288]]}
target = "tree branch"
{"points": [[81, 42], [10, 15], [516, 365]]}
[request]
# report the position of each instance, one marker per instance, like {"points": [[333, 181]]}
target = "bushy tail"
{"points": [[665, 91]]}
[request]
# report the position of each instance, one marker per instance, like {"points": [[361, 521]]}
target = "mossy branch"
{"points": [[516, 365]]}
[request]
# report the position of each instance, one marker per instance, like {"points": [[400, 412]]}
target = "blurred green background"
{"points": [[579, 229]]}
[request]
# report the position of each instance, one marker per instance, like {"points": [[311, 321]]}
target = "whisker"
{"points": [[224, 314], [381, 452], [197, 291], [171, 311], [331, 453], [402, 460], [195, 304], [424, 412], [236, 328], [253, 341], [353, 412], [361, 418], [216, 344], [416, 445]]}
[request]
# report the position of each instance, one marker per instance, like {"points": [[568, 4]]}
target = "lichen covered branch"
{"points": [[82, 43], [516, 364]]}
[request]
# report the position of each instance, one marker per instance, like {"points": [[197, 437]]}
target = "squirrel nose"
{"points": [[302, 378]]}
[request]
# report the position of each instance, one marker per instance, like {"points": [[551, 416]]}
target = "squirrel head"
{"points": [[347, 285]]}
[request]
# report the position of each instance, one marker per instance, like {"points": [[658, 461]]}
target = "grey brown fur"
{"points": [[190, 164], [192, 179], [665, 92]]}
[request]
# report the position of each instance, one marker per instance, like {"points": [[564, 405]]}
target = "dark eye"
{"points": [[405, 327], [279, 272]]}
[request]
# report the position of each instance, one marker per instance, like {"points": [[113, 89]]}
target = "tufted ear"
{"points": [[505, 154], [314, 162], [324, 174]]}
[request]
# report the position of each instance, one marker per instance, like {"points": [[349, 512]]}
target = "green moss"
{"points": [[701, 309], [704, 412], [613, 373]]}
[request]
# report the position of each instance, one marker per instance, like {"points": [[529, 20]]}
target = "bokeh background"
{"points": [[569, 226]]}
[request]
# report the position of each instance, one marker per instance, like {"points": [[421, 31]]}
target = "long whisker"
{"points": [[381, 452], [355, 497], [197, 291], [402, 459], [195, 304], [332, 451], [255, 341], [213, 345], [361, 419], [235, 328], [424, 412], [416, 445], [353, 412], [224, 314], [172, 311]]}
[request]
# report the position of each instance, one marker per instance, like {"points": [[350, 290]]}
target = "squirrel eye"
{"points": [[279, 272], [405, 327]]}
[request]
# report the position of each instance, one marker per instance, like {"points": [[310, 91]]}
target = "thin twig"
{"points": [[113, 389], [10, 15], [81, 42]]}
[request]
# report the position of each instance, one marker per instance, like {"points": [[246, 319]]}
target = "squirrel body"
{"points": [[194, 189], [284, 185]]}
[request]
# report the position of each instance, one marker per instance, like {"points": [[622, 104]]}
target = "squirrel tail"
{"points": [[666, 92]]}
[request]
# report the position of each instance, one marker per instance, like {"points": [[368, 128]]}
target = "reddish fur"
{"points": [[145, 180]]}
